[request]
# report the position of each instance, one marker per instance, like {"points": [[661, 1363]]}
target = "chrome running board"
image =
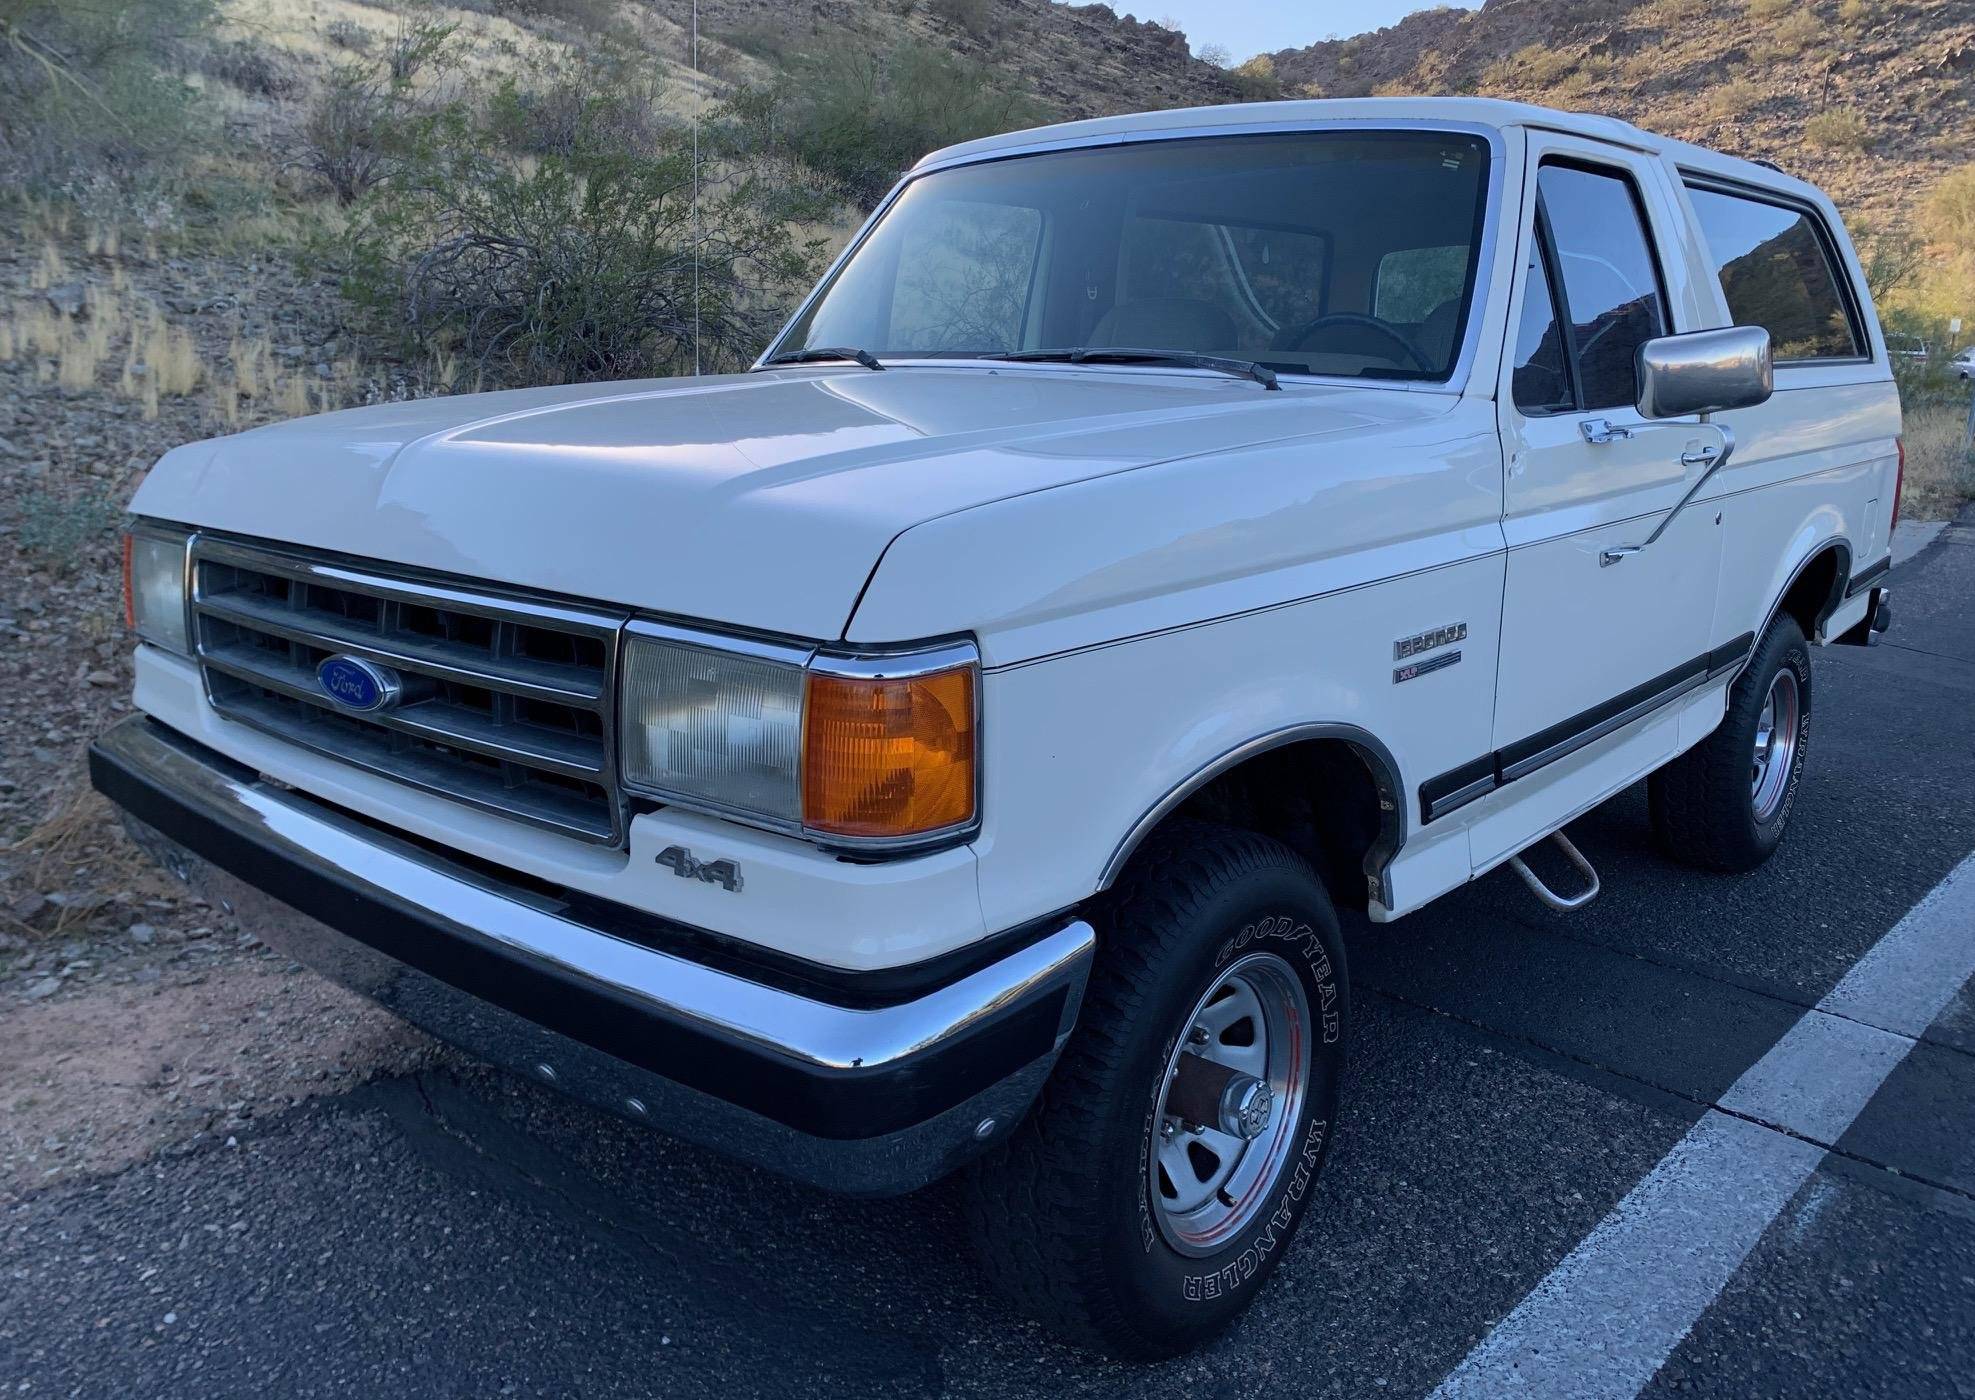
{"points": [[1562, 903]]}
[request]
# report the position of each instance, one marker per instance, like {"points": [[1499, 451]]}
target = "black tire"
{"points": [[1704, 807], [1062, 1213]]}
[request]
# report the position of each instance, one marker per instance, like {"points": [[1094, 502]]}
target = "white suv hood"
{"points": [[760, 501]]}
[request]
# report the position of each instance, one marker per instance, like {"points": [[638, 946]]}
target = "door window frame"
{"points": [[1546, 246]]}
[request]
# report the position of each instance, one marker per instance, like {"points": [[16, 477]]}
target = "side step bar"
{"points": [[1549, 896]]}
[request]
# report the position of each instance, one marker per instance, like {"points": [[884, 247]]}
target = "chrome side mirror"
{"points": [[1705, 372]]}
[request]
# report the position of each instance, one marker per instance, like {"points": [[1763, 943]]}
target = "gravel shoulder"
{"points": [[99, 1081]]}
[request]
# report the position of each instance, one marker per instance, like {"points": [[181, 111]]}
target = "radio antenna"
{"points": [[696, 236]]}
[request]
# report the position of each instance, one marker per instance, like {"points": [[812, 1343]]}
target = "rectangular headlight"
{"points": [[856, 751], [712, 726], [154, 587]]}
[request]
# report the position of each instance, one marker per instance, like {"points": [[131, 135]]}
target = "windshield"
{"points": [[1308, 252]]}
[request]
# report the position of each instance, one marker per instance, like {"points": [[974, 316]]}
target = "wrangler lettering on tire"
{"points": [[1118, 1212]]}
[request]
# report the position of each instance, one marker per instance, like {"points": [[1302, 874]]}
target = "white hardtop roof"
{"points": [[1486, 112]]}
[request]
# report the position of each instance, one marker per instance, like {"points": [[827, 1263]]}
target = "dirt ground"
{"points": [[133, 1018], [96, 1081]]}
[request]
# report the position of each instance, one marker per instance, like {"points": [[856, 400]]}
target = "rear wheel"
{"points": [[1723, 804], [1173, 1152]]}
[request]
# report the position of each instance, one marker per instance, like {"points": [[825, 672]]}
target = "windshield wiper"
{"points": [[825, 352], [1126, 355]]}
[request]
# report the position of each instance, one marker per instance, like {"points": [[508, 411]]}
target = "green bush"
{"points": [[608, 101], [98, 88], [352, 129], [861, 118], [1256, 80], [579, 264], [57, 532]]}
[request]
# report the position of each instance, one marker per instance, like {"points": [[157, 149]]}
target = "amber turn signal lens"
{"points": [[129, 592], [888, 758]]}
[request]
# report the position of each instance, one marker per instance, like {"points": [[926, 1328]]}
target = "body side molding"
{"points": [[1371, 751], [1457, 787]]}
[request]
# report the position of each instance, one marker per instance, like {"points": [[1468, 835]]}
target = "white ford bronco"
{"points": [[954, 741]]}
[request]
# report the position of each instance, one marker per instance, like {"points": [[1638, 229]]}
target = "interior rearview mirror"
{"points": [[1705, 372]]}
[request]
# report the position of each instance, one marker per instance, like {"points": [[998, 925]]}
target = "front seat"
{"points": [[1166, 323], [1436, 334]]}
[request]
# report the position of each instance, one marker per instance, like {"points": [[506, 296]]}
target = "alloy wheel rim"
{"points": [[1208, 1184], [1777, 725]]}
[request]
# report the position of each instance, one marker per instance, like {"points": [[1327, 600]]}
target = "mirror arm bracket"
{"points": [[1714, 461]]}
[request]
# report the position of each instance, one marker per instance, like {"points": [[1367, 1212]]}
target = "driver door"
{"points": [[1589, 646]]}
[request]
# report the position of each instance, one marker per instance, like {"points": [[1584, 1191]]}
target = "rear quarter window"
{"points": [[1777, 271]]}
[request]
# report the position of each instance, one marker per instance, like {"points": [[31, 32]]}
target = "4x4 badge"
{"points": [[686, 866]]}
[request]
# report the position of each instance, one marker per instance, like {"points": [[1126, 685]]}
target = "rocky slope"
{"points": [[1081, 60], [1871, 99]]}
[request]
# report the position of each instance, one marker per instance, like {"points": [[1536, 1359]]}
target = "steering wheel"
{"points": [[1391, 332]]}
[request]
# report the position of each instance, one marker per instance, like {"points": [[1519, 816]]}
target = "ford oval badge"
{"points": [[356, 684]]}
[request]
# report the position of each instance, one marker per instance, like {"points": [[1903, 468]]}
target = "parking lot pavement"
{"points": [[1516, 1078]]}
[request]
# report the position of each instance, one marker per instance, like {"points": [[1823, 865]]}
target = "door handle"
{"points": [[1598, 431], [1713, 459]]}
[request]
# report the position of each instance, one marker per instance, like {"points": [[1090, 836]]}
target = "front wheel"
{"points": [[1173, 1153], [1724, 803]]}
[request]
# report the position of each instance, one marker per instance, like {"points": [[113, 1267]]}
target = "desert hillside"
{"points": [[1870, 99]]}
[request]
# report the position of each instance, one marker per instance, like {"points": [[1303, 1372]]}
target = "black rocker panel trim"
{"points": [[1457, 787], [1868, 576]]}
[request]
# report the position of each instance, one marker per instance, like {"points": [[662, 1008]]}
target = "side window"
{"points": [[1776, 272], [1541, 377], [1611, 286], [964, 280]]}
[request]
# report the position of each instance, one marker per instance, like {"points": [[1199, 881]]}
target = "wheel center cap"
{"points": [[1246, 1107]]}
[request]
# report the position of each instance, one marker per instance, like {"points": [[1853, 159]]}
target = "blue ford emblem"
{"points": [[358, 685]]}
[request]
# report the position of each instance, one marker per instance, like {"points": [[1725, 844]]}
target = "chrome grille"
{"points": [[507, 699]]}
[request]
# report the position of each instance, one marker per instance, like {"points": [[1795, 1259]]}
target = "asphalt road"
{"points": [[1516, 1074]]}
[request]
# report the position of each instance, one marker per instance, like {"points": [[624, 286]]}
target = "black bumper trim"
{"points": [[825, 1102]]}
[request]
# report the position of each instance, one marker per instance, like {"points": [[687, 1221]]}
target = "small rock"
{"points": [[101, 678], [8, 449], [46, 987], [142, 933], [65, 300]]}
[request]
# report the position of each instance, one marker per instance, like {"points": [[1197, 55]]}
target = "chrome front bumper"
{"points": [[871, 1091]]}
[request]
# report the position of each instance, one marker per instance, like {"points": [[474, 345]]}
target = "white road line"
{"points": [[1607, 1317]]}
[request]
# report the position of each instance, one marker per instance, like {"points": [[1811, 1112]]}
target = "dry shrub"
{"points": [[1732, 99], [1939, 474], [1790, 37], [1669, 14], [1837, 129], [1534, 65], [346, 140]]}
